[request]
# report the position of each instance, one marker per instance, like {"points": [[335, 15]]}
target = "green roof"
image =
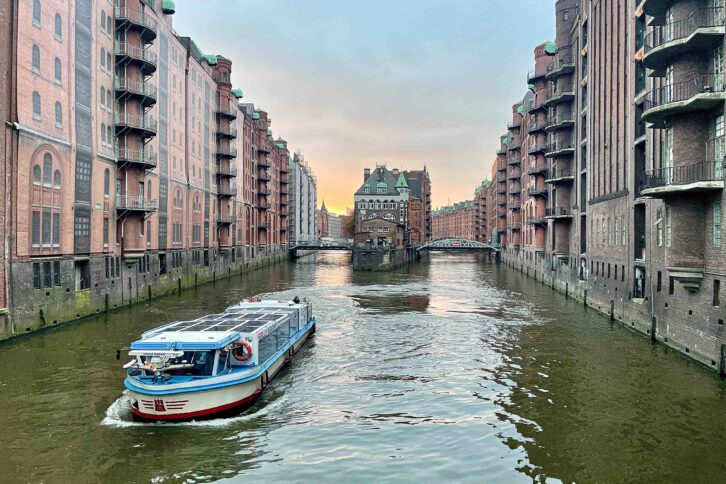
{"points": [[478, 190], [550, 48], [255, 115], [520, 109], [269, 132], [506, 141], [281, 146], [401, 183], [530, 87], [168, 7], [237, 93], [382, 185], [211, 59], [487, 183]]}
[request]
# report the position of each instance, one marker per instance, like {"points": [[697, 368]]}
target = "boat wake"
{"points": [[118, 415]]}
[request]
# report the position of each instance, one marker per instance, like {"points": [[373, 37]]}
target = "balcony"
{"points": [[263, 204], [537, 220], [700, 93], [137, 20], [515, 226], [226, 152], [126, 204], [537, 125], [144, 125], [501, 178], [263, 163], [501, 166], [144, 159], [565, 94], [562, 148], [539, 147], [502, 151], [264, 147], [263, 177], [514, 175], [501, 213], [146, 93], [514, 205], [514, 191], [561, 121], [224, 130], [501, 190], [225, 220], [537, 192], [146, 59], [560, 175], [515, 145], [227, 172], [702, 29], [515, 124], [502, 203], [558, 213], [537, 169], [536, 106], [535, 75], [698, 177], [563, 65], [226, 192], [514, 160], [229, 112]]}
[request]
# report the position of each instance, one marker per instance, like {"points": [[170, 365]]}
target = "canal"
{"points": [[453, 369]]}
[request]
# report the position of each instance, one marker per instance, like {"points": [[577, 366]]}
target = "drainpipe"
{"points": [[11, 102]]}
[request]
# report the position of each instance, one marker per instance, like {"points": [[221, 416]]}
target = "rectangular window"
{"points": [[659, 228], [47, 275], [36, 275], [668, 227], [56, 230], [671, 286], [716, 292], [660, 281], [45, 232], [105, 236], [108, 262], [717, 224], [56, 273], [36, 228]]}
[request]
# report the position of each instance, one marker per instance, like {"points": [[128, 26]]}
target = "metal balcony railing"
{"points": [[226, 151], [685, 90], [131, 203], [684, 28], [127, 155], [227, 191], [704, 171], [136, 17], [558, 212], [556, 173], [123, 49], [224, 129], [135, 87], [145, 122]]}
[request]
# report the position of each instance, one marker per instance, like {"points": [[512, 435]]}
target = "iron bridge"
{"points": [[456, 245]]}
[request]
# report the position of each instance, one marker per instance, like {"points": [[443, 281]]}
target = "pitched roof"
{"points": [[381, 178], [401, 183]]}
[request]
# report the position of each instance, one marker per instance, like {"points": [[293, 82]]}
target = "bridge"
{"points": [[456, 245], [316, 246]]}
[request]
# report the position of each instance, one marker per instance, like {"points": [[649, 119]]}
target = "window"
{"points": [[36, 106], [109, 100], [58, 115], [36, 59], [103, 20], [106, 183], [57, 71], [103, 134], [36, 174], [36, 13], [109, 135], [47, 169], [56, 230], [56, 273], [103, 59], [660, 281], [57, 179], [103, 98], [659, 227], [58, 28], [668, 227], [109, 64], [717, 224], [45, 231], [36, 275], [36, 229]]}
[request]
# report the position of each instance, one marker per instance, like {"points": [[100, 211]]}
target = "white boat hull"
{"points": [[203, 404]]}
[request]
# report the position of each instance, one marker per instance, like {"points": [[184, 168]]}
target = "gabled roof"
{"points": [[401, 183], [382, 178]]}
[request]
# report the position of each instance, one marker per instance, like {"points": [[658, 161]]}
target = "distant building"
{"points": [[303, 201], [419, 183], [455, 221], [329, 225], [383, 195]]}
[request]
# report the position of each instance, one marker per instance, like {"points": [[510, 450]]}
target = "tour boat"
{"points": [[216, 365]]}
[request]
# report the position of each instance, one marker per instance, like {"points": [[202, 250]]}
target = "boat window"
{"points": [[191, 363], [277, 337]]}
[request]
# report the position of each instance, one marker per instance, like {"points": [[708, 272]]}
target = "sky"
{"points": [[405, 83]]}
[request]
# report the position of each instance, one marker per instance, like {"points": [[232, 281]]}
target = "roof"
{"points": [[401, 183], [237, 93], [382, 178], [190, 340]]}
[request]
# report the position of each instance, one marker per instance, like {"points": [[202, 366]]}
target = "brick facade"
{"points": [[455, 221]]}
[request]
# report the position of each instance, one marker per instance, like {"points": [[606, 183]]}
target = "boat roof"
{"points": [[215, 331]]}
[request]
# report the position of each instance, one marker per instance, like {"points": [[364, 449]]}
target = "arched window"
{"points": [[47, 169], [36, 174], [103, 20], [109, 100], [58, 71], [58, 115], [58, 27], [36, 105], [103, 133], [103, 98], [103, 58], [57, 179], [109, 135], [36, 59], [106, 183], [36, 13], [109, 64], [109, 26]]}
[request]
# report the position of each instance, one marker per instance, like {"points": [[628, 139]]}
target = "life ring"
{"points": [[150, 366], [247, 351]]}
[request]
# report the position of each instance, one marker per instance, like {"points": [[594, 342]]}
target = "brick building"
{"points": [[419, 183], [482, 230], [455, 221], [135, 168], [610, 178]]}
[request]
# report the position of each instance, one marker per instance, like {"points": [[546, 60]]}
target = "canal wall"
{"points": [[373, 259], [683, 323], [112, 284]]}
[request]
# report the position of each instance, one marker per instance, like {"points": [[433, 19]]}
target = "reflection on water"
{"points": [[455, 369]]}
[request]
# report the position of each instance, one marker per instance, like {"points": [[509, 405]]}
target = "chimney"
{"points": [[395, 172], [366, 174]]}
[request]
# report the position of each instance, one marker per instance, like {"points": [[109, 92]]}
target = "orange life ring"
{"points": [[247, 351], [150, 366]]}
